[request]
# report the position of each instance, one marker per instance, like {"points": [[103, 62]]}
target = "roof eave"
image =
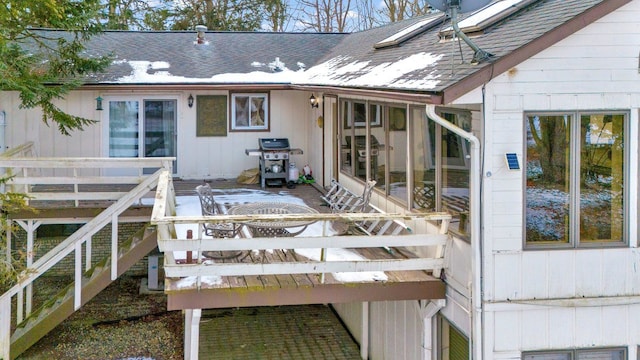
{"points": [[391, 94], [188, 86]]}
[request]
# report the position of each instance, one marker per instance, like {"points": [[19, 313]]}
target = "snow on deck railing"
{"points": [[173, 246]]}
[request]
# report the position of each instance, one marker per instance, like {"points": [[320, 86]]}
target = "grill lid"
{"points": [[274, 144]]}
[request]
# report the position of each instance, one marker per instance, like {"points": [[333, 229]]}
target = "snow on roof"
{"points": [[341, 71], [160, 74], [337, 71]]}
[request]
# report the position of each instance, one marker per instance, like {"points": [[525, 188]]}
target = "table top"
{"points": [[257, 208]]}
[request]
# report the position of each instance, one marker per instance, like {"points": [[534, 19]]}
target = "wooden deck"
{"points": [[296, 289], [213, 291], [278, 277]]}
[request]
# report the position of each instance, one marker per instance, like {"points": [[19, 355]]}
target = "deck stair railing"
{"points": [[51, 181], [170, 244]]}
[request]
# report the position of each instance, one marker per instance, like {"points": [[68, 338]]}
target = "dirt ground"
{"points": [[119, 323]]}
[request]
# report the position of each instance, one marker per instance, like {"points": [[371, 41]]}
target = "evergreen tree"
{"points": [[43, 68]]}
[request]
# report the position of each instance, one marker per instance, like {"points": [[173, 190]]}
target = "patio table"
{"points": [[278, 228]]}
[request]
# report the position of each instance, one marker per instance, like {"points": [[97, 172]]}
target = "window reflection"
{"points": [[575, 187], [601, 177], [437, 161], [396, 150]]}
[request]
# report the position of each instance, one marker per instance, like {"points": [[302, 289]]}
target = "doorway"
{"points": [[154, 134]]}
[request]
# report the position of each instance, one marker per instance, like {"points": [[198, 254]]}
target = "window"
{"points": [[142, 128], [579, 354], [249, 111], [410, 31], [575, 179], [441, 167], [452, 343], [393, 161], [354, 126], [487, 16]]}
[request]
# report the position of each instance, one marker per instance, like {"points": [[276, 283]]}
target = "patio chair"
{"points": [[342, 200], [217, 230]]}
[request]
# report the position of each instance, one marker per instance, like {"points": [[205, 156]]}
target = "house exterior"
{"points": [[533, 151]]}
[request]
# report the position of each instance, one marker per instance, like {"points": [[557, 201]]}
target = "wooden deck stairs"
{"points": [[44, 319]]}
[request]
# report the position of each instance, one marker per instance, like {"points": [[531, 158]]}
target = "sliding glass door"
{"points": [[153, 135]]}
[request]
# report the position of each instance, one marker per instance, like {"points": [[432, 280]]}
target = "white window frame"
{"points": [[573, 354], [249, 127]]}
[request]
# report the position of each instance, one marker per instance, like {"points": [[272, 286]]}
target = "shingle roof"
{"points": [[178, 57], [442, 64], [423, 63]]}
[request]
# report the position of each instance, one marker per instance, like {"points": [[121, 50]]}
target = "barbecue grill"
{"points": [[273, 156]]}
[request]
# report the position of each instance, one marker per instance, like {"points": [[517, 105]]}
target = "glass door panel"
{"points": [[123, 129], [160, 129]]}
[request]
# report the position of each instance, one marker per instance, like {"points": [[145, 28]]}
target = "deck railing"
{"points": [[68, 188], [168, 242]]}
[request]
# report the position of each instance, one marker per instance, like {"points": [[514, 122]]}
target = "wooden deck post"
{"points": [[5, 327], [192, 333], [427, 310], [364, 342], [114, 247]]}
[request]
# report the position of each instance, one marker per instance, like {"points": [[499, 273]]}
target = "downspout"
{"points": [[476, 245]]}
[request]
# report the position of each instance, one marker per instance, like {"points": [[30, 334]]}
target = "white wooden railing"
{"points": [[68, 174], [26, 178], [169, 243]]}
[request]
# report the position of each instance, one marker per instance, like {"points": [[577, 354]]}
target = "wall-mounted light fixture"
{"points": [[190, 100], [313, 101], [99, 103]]}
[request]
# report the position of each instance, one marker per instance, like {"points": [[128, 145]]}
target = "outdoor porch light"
{"points": [[313, 101], [190, 100], [99, 103]]}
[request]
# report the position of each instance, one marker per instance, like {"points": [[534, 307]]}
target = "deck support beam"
{"points": [[364, 345], [312, 294], [192, 333]]}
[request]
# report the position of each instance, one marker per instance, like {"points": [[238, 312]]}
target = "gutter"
{"points": [[477, 318]]}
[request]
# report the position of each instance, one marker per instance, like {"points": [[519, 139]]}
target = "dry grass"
{"points": [[119, 323]]}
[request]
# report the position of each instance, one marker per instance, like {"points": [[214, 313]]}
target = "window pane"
{"points": [[424, 193], [242, 111], [379, 147], [123, 129], [258, 111], [548, 356], [455, 172], [346, 151], [360, 165], [601, 177], [397, 149], [601, 355], [159, 128], [454, 345], [547, 178]]}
